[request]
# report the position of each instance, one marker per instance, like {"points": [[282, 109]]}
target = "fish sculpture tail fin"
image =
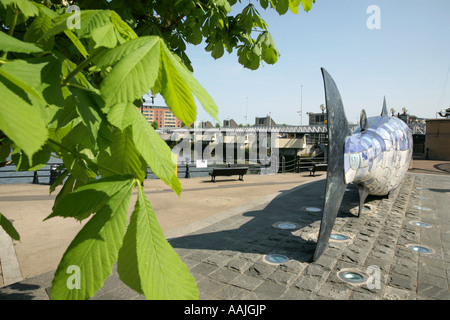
{"points": [[338, 130]]}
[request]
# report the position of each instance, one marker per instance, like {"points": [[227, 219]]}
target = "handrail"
{"points": [[254, 165]]}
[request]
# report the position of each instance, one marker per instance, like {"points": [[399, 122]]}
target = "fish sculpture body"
{"points": [[377, 154], [374, 157]]}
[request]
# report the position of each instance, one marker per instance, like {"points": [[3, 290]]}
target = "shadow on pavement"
{"points": [[253, 231], [443, 167], [19, 291]]}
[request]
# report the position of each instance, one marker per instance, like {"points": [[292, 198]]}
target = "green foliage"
{"points": [[8, 227], [155, 269], [95, 248], [74, 94]]}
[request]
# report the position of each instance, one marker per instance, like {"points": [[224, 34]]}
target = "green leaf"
{"points": [[282, 6], [264, 3], [25, 6], [123, 156], [14, 45], [40, 79], [89, 21], [146, 63], [147, 262], [293, 5], [183, 111], [195, 35], [122, 27], [79, 78], [95, 248], [44, 10], [19, 120], [59, 180], [78, 153], [92, 20], [155, 151], [217, 51], [122, 114], [307, 5], [104, 36], [50, 82], [85, 105], [76, 42], [38, 161], [65, 190], [135, 72], [172, 85], [269, 52], [5, 150], [9, 228], [80, 166], [37, 30], [25, 75], [89, 198], [248, 59]]}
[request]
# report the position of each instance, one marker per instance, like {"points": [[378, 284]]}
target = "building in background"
{"points": [[437, 139], [230, 123], [161, 115], [265, 122], [317, 118]]}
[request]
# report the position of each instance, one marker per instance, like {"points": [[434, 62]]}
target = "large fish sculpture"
{"points": [[374, 157]]}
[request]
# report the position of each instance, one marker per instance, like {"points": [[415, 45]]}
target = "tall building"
{"points": [[264, 122], [317, 118], [230, 123], [162, 115]]}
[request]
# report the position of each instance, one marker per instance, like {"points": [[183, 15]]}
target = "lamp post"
{"points": [[187, 174], [322, 107], [301, 105], [392, 111]]}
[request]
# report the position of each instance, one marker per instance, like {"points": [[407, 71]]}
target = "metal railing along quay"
{"points": [[51, 171], [47, 174]]}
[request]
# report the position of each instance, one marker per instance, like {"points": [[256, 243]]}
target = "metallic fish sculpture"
{"points": [[374, 157]]}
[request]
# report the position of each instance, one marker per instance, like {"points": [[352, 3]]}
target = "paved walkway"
{"points": [[226, 251]]}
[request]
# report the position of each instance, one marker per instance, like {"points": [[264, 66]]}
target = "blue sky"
{"points": [[406, 60]]}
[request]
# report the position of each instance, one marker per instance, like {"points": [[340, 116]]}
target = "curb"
{"points": [[8, 260]]}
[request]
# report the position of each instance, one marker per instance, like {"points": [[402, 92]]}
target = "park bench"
{"points": [[317, 167], [228, 172]]}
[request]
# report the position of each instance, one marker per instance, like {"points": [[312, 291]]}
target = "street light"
{"points": [[301, 105], [392, 111]]}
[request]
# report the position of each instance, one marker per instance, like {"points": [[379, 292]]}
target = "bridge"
{"points": [[280, 129], [416, 128]]}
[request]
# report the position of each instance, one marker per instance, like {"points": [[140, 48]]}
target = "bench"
{"points": [[228, 172], [317, 167]]}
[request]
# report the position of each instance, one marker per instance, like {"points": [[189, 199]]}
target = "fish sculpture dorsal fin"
{"points": [[363, 120], [384, 112]]}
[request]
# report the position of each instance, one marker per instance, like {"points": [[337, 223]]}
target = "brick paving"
{"points": [[227, 257]]}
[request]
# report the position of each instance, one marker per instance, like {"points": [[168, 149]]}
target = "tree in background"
{"points": [[71, 83]]}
